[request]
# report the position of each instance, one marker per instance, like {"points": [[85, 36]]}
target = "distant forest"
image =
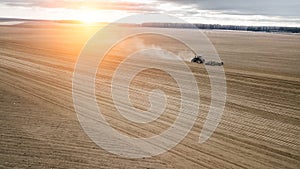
{"points": [[185, 26], [224, 27]]}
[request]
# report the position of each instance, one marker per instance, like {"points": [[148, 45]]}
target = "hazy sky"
{"points": [[237, 12]]}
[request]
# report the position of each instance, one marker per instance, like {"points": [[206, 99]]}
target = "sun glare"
{"points": [[87, 16], [88, 20]]}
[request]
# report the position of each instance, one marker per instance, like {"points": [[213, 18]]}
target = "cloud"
{"points": [[78, 4], [242, 7], [197, 11]]}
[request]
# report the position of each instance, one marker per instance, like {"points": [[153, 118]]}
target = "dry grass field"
{"points": [[260, 126]]}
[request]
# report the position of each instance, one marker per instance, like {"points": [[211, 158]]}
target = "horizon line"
{"points": [[78, 21]]}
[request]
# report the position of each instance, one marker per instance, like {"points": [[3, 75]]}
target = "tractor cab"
{"points": [[198, 59]]}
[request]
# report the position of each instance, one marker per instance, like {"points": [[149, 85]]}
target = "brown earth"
{"points": [[39, 127]]}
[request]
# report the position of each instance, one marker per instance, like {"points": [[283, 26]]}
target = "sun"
{"points": [[87, 16], [88, 20]]}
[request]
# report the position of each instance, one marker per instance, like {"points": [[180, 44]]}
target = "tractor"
{"points": [[198, 59]]}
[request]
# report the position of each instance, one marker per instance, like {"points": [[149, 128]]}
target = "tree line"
{"points": [[224, 27]]}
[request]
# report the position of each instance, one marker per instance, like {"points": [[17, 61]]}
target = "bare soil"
{"points": [[39, 127]]}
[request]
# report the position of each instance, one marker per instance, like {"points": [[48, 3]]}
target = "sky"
{"points": [[224, 12]]}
